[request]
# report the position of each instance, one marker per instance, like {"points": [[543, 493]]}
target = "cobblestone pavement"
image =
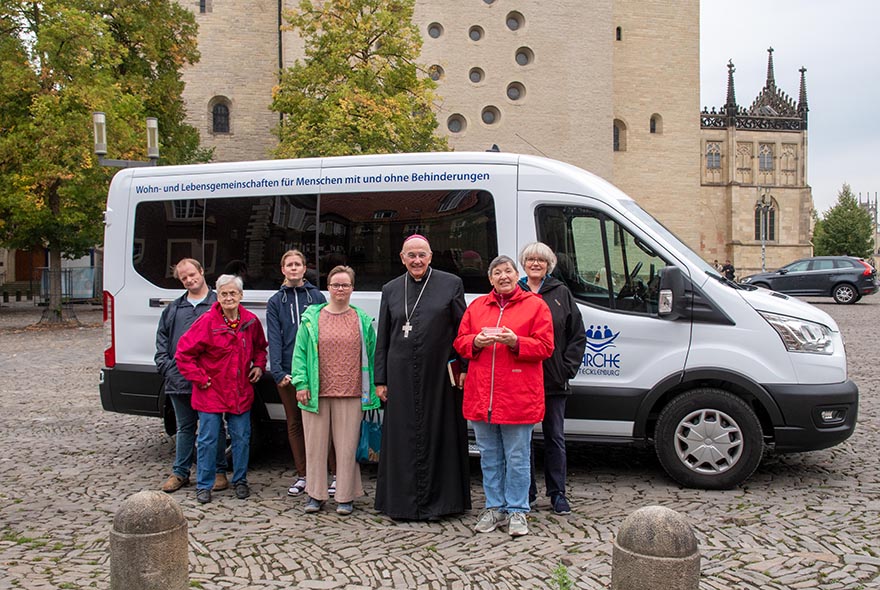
{"points": [[802, 521]]}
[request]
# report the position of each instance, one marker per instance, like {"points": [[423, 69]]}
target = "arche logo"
{"points": [[600, 337]]}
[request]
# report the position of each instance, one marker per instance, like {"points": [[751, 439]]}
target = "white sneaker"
{"points": [[518, 525], [332, 489], [489, 520], [298, 488]]}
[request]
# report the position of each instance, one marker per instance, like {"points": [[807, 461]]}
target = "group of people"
{"points": [[517, 346]]}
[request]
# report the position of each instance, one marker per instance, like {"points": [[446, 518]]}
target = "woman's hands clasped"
{"points": [[506, 336]]}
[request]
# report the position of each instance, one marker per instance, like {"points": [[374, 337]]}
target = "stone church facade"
{"points": [[757, 206], [611, 86]]}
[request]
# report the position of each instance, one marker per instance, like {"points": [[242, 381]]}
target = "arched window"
{"points": [[765, 157], [768, 216], [713, 156], [220, 117], [619, 136], [656, 124]]}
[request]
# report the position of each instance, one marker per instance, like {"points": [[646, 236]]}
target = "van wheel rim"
{"points": [[708, 441]]}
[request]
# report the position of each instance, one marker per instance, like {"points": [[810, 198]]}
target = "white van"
{"points": [[709, 372]]}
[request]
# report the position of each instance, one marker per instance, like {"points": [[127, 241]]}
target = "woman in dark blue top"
{"points": [[283, 312]]}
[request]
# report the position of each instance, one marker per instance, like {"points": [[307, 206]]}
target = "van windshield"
{"points": [[667, 235]]}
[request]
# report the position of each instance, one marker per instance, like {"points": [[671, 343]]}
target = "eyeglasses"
{"points": [[535, 261], [339, 286]]}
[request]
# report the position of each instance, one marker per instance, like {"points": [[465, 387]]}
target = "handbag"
{"points": [[370, 442]]}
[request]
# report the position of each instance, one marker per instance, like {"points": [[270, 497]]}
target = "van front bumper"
{"points": [[815, 416]]}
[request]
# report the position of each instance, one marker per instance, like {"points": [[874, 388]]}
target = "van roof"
{"points": [[535, 173]]}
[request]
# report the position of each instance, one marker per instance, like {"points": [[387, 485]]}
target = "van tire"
{"points": [[700, 412], [845, 293]]}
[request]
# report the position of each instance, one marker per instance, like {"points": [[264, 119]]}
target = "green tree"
{"points": [[818, 228], [845, 229], [60, 60], [359, 88]]}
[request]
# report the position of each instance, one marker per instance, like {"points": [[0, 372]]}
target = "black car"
{"points": [[845, 278]]}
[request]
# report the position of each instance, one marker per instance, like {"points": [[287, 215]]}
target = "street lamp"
{"points": [[99, 124], [764, 205]]}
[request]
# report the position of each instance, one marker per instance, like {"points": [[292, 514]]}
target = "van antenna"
{"points": [[532, 145]]}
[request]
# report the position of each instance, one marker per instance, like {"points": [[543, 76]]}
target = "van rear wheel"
{"points": [[709, 438]]}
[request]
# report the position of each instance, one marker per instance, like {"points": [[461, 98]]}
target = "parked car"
{"points": [[845, 278]]}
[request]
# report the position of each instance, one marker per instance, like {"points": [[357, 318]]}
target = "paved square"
{"points": [[807, 520]]}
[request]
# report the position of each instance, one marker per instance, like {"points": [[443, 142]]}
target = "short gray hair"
{"points": [[499, 260], [223, 280], [538, 250]]}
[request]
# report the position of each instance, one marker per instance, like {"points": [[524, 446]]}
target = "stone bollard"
{"points": [[655, 549], [148, 544]]}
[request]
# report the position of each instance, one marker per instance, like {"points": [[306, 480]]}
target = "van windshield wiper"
{"points": [[724, 280]]}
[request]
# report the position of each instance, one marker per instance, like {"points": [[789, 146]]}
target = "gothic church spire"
{"points": [[771, 78]]}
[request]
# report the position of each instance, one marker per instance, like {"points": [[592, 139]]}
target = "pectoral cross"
{"points": [[407, 328]]}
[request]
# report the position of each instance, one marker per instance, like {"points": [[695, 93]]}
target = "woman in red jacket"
{"points": [[223, 354], [506, 335]]}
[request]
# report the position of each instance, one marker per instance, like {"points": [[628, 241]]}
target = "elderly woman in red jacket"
{"points": [[223, 354], [506, 335]]}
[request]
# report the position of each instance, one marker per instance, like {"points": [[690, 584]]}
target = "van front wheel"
{"points": [[709, 438]]}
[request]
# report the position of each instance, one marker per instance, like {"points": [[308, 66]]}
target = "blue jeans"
{"points": [[239, 427], [185, 439], [505, 451]]}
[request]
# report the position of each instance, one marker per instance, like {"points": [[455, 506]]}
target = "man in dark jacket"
{"points": [[176, 319], [727, 270]]}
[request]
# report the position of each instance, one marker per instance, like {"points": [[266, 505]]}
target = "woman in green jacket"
{"points": [[332, 371]]}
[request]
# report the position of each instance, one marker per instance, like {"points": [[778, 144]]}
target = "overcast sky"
{"points": [[839, 44]]}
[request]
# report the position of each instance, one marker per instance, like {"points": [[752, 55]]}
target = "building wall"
{"points": [[730, 194], [565, 105], [657, 72], [567, 91], [238, 42]]}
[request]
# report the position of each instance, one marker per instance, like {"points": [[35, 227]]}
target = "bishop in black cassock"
{"points": [[423, 466]]}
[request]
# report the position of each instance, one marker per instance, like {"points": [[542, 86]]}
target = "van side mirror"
{"points": [[672, 301]]}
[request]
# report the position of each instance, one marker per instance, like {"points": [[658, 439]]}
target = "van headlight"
{"points": [[800, 335]]}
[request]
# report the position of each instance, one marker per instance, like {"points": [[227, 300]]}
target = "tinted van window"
{"points": [[600, 260], [248, 235]]}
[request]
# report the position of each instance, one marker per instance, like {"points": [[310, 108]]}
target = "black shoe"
{"points": [[242, 490], [203, 496], [560, 504]]}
